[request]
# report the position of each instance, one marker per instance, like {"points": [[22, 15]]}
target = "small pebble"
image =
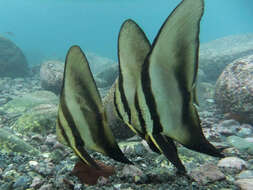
{"points": [[131, 170]]}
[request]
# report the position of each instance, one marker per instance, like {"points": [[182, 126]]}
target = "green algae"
{"points": [[39, 120]]}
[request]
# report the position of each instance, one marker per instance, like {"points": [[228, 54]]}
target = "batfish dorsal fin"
{"points": [[178, 41], [169, 77], [82, 122], [133, 47]]}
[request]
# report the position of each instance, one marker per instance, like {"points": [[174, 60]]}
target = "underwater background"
{"points": [[35, 36], [46, 29]]}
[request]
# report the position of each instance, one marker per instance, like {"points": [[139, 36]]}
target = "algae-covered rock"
{"points": [[40, 119], [12, 143], [191, 159], [28, 101]]}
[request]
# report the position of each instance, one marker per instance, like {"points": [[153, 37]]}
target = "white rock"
{"points": [[233, 163], [33, 163]]}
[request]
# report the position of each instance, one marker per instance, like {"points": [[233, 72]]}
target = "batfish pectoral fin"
{"points": [[169, 149], [82, 121]]}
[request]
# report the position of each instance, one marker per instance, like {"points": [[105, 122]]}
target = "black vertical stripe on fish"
{"points": [[143, 133], [140, 117], [123, 96], [62, 131], [116, 106], [149, 97]]}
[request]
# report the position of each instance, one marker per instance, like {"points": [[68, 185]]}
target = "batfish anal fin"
{"points": [[168, 148]]}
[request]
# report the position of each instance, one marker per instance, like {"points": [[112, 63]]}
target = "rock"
{"points": [[12, 143], [232, 163], [21, 182], [229, 123], [245, 130], [241, 144], [249, 139], [206, 174], [234, 89], [36, 182], [228, 127], [245, 174], [51, 75], [98, 63], [215, 55], [13, 62], [51, 139], [39, 120], [245, 184], [131, 170], [22, 104], [108, 75], [119, 128], [47, 187]]}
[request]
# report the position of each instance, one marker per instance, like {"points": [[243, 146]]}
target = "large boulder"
{"points": [[234, 89], [51, 75], [13, 63], [216, 55]]}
